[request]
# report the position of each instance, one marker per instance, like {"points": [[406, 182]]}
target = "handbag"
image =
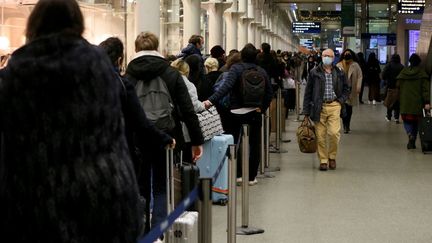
{"points": [[210, 123], [306, 137], [288, 83]]}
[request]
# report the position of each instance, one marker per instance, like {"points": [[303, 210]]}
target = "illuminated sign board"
{"points": [[308, 43], [411, 6], [306, 27]]}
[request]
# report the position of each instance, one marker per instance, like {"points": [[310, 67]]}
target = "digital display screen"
{"points": [[413, 38], [306, 27], [411, 6]]}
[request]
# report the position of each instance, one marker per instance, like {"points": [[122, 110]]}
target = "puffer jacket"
{"points": [[231, 86], [314, 93], [414, 90]]}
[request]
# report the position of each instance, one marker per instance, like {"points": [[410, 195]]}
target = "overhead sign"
{"points": [[348, 15], [306, 27], [411, 6], [308, 43]]}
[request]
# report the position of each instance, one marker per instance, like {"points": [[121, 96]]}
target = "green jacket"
{"points": [[413, 83]]}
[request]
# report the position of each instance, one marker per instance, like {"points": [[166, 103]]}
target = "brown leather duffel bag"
{"points": [[306, 137]]}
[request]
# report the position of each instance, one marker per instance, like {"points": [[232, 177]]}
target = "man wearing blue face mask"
{"points": [[326, 91]]}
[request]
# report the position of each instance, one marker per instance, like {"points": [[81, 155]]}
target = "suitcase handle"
{"points": [[170, 179]]}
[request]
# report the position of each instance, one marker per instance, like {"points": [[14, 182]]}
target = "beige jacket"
{"points": [[354, 80]]}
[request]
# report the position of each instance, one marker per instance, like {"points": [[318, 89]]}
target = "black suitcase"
{"points": [[186, 177], [425, 131]]}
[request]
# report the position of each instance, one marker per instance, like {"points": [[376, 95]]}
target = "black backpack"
{"points": [[156, 101], [253, 84]]}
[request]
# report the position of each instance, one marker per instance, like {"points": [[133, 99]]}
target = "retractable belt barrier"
{"points": [[180, 208]]}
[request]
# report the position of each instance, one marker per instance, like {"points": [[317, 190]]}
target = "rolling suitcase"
{"points": [[425, 131], [186, 177], [214, 151], [185, 228]]}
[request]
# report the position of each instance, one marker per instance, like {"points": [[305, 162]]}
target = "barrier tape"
{"points": [[219, 169], [181, 207], [164, 225]]}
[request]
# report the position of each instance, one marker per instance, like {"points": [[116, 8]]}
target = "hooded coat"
{"points": [[146, 66], [65, 171], [414, 90]]}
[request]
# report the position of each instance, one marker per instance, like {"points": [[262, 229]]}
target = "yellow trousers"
{"points": [[328, 131]]}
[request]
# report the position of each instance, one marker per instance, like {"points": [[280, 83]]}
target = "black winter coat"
{"points": [[65, 171], [147, 68], [139, 130], [390, 72], [315, 87]]}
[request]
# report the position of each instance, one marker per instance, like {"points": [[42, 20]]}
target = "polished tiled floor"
{"points": [[379, 193]]}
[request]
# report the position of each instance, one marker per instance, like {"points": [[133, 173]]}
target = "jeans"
{"points": [[411, 128]]}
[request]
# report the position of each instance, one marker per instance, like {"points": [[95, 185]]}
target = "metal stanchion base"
{"points": [[272, 169], [249, 230], [266, 175], [277, 151]]}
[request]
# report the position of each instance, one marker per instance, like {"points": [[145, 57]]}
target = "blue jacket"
{"points": [[314, 93], [231, 85], [190, 49]]}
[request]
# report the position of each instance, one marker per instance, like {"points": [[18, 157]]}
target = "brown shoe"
{"points": [[323, 167], [332, 164]]}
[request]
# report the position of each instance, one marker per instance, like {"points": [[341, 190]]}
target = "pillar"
{"points": [[147, 16], [231, 17], [215, 10], [252, 24], [191, 18]]}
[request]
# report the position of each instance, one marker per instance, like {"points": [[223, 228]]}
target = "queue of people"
{"points": [[82, 155]]}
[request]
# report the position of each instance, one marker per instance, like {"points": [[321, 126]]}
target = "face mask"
{"points": [[348, 57], [327, 61]]}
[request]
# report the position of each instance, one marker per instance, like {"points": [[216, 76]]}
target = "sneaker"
{"points": [[387, 119], [373, 102], [158, 241], [253, 183], [369, 102]]}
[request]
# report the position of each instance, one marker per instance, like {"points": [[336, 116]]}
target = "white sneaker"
{"points": [[373, 102], [158, 241], [239, 181], [369, 102], [253, 183], [387, 120]]}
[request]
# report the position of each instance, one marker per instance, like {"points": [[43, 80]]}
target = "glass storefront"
{"points": [[103, 19]]}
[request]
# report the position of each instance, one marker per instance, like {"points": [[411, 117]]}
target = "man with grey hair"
{"points": [[325, 93]]}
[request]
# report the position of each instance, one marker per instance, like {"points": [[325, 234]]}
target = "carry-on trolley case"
{"points": [[185, 228], [186, 177], [425, 131], [214, 151]]}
